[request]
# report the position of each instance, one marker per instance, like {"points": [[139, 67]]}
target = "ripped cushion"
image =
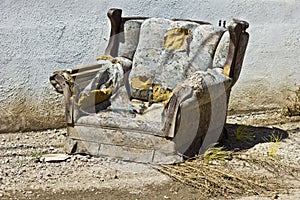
{"points": [[168, 53]]}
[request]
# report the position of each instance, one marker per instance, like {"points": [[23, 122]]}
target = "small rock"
{"points": [[275, 196], [238, 118], [84, 159], [44, 150], [54, 157], [48, 175]]}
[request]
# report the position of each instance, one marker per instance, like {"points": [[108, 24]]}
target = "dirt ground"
{"points": [[24, 176]]}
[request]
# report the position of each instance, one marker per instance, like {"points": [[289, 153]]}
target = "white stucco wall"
{"points": [[38, 37]]}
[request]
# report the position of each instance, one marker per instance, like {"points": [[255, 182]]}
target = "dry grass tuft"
{"points": [[229, 178], [292, 107]]}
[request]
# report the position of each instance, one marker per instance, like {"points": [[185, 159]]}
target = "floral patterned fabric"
{"points": [[102, 88], [122, 119], [154, 59], [222, 51], [115, 109], [129, 38], [175, 57]]}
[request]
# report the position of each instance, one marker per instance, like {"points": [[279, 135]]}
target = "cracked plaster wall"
{"points": [[38, 37]]}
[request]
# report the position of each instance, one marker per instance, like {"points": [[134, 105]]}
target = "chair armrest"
{"points": [[70, 75], [72, 82], [83, 74], [205, 83], [202, 87], [63, 83], [237, 48]]}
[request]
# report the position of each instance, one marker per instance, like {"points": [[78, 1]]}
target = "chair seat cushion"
{"points": [[124, 119]]}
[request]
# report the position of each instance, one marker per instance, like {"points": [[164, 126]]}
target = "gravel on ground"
{"points": [[23, 175]]}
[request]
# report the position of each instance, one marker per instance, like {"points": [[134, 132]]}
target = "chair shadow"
{"points": [[243, 137]]}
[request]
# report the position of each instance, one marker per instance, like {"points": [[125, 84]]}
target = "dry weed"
{"points": [[292, 107], [224, 178]]}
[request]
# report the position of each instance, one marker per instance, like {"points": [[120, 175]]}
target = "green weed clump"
{"points": [[242, 133], [275, 139], [35, 155], [216, 153]]}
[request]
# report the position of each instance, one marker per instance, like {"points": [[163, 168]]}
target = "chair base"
{"points": [[125, 145]]}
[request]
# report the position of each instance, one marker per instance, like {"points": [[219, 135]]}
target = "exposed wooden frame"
{"points": [[237, 47]]}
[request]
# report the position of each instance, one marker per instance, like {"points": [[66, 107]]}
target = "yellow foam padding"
{"points": [[176, 39], [111, 59], [66, 75], [161, 95], [93, 97], [226, 70], [141, 82], [59, 71]]}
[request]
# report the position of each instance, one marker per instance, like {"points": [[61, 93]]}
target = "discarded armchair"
{"points": [[160, 92]]}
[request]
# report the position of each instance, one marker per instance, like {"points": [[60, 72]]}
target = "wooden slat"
{"points": [[198, 22], [68, 100], [85, 68], [85, 73]]}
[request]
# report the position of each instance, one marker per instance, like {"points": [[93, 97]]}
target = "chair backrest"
{"points": [[169, 52], [165, 52]]}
